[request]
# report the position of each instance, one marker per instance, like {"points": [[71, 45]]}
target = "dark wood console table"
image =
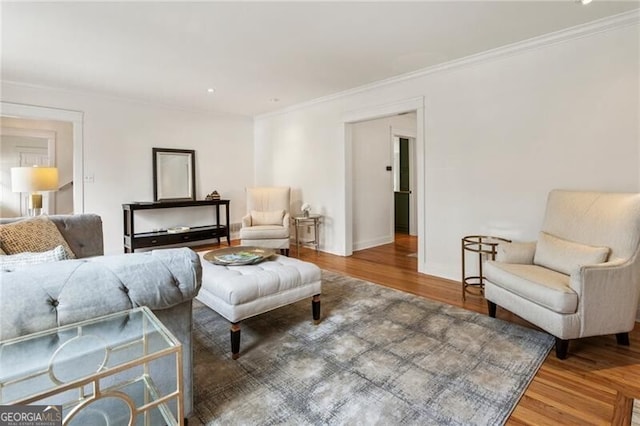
{"points": [[133, 240]]}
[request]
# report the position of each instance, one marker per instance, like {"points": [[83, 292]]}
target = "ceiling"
{"points": [[170, 53]]}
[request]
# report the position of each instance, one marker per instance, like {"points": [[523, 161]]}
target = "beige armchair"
{"points": [[582, 277], [267, 221]]}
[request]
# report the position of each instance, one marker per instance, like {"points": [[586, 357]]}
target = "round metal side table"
{"points": [[484, 245]]}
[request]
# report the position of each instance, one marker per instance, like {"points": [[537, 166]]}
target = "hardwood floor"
{"points": [[570, 392]]}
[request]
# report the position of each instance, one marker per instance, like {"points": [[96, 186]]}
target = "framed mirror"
{"points": [[174, 174]]}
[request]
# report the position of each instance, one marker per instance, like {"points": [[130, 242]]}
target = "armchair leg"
{"points": [[623, 339], [562, 347], [492, 309]]}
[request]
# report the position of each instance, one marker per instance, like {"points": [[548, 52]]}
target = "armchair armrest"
{"points": [[515, 252], [246, 221], [603, 286], [286, 220]]}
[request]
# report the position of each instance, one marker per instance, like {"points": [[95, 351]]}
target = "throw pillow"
{"points": [[32, 235], [2, 253], [566, 256], [516, 252], [12, 261], [267, 218]]}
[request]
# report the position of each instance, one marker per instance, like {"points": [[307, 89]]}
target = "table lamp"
{"points": [[34, 180]]}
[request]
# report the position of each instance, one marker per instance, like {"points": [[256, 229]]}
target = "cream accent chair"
{"points": [[582, 277], [267, 221]]}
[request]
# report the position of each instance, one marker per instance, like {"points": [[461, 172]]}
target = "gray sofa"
{"points": [[44, 296]]}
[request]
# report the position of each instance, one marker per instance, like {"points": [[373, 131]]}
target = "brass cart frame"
{"points": [[483, 245]]}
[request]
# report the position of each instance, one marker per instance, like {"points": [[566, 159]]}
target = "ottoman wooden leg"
{"points": [[235, 340], [315, 308]]}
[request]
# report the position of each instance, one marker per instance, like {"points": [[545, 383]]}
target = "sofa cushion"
{"points": [[539, 285], [36, 234], [267, 217], [566, 256], [13, 261], [83, 233]]}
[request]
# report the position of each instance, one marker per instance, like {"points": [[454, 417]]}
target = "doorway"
{"points": [[70, 196], [376, 169], [350, 120]]}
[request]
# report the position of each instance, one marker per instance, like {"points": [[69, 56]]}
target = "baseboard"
{"points": [[361, 245]]}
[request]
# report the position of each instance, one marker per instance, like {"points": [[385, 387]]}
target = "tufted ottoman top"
{"points": [[235, 285]]}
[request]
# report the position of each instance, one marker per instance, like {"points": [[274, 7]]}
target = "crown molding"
{"points": [[579, 31], [117, 98]]}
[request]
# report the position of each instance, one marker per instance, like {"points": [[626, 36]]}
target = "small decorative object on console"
{"points": [[213, 196], [306, 208]]}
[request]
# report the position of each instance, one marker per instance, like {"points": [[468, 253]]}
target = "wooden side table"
{"points": [[484, 245]]}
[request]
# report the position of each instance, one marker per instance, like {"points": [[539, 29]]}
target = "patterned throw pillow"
{"points": [[32, 235], [12, 261]]}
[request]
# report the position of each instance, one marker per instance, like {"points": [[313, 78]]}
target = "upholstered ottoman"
{"points": [[241, 292]]}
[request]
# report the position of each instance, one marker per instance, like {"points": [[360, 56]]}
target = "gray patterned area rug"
{"points": [[379, 356]]}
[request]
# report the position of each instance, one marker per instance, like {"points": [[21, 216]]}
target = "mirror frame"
{"points": [[189, 190]]}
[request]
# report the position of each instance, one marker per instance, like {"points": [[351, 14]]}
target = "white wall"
{"points": [[118, 137], [499, 134], [373, 202], [299, 150]]}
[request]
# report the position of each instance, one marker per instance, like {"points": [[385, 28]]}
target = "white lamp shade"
{"points": [[34, 179]]}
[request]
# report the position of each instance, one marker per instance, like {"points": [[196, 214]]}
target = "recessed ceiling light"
{"points": [[274, 100], [584, 1], [210, 90]]}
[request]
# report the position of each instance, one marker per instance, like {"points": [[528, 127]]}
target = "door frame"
{"points": [[370, 113], [76, 118]]}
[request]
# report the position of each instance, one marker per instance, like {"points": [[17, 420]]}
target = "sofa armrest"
{"points": [[599, 287], [246, 221], [65, 292], [516, 252]]}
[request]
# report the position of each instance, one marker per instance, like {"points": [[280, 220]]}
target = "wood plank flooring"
{"points": [[569, 392]]}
